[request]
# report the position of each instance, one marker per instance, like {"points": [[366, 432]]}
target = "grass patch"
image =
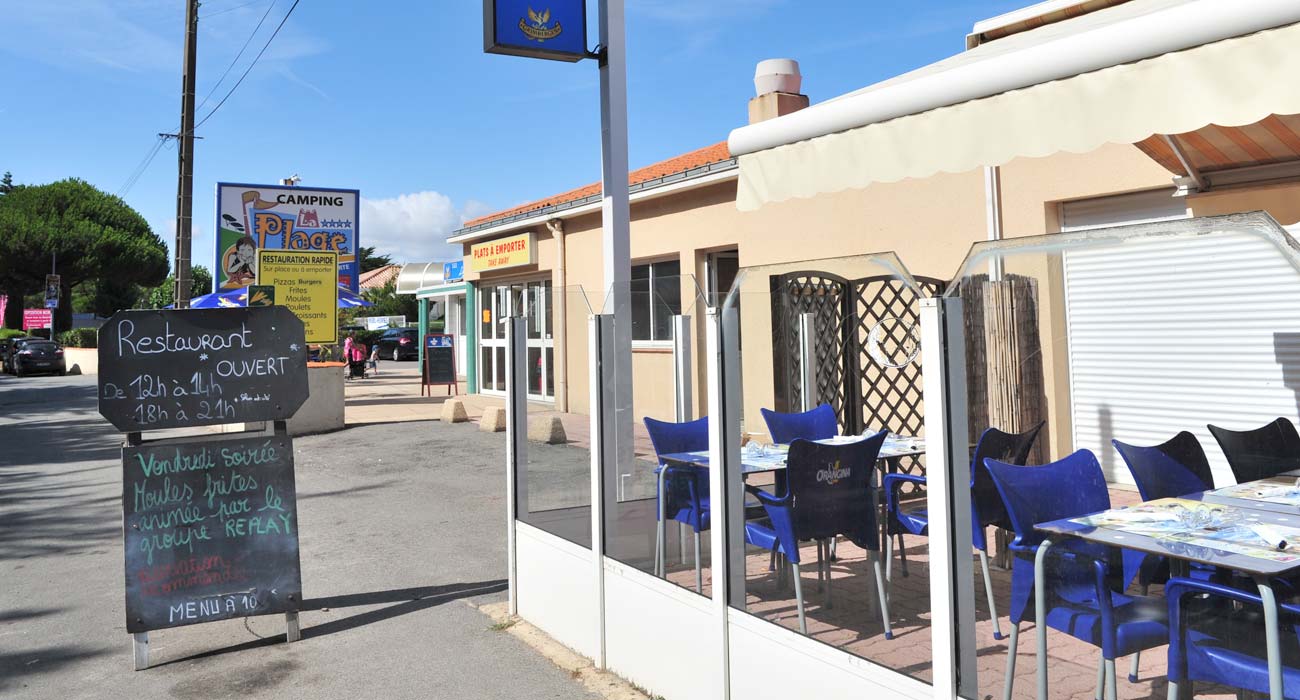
{"points": [[503, 625]]}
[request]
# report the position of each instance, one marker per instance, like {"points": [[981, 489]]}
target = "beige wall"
{"points": [[929, 223]]}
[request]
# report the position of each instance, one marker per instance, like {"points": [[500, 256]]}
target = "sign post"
{"points": [[305, 282], [210, 523], [513, 27], [53, 288]]}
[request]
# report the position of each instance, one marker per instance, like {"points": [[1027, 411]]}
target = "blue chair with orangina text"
{"points": [[828, 492], [683, 490], [1083, 580], [912, 518]]}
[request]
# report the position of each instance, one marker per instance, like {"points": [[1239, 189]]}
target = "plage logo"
{"points": [[536, 26], [832, 474]]}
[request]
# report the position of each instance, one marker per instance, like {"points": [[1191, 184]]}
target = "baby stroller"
{"points": [[357, 362]]}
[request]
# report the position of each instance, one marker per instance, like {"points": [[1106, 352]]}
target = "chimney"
{"points": [[776, 82]]}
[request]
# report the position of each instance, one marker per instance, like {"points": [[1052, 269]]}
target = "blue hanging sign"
{"points": [[453, 271], [550, 29]]}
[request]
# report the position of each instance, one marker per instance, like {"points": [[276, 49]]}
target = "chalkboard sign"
{"points": [[191, 367], [439, 359], [210, 529]]}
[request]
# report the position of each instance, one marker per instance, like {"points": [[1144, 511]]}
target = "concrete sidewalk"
{"points": [[401, 526], [393, 396]]}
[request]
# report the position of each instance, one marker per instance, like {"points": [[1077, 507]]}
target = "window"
{"points": [[656, 298]]}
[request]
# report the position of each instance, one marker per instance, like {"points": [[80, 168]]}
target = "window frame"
{"points": [[657, 343]]}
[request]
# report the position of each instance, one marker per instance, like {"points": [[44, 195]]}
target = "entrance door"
{"points": [[532, 300]]}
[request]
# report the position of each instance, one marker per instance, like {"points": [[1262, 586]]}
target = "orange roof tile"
{"points": [[704, 156], [378, 277]]}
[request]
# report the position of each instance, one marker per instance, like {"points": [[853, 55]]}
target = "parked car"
{"points": [[39, 355], [399, 344], [7, 348]]}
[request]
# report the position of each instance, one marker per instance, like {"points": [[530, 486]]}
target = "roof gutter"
{"points": [[1158, 32], [707, 175]]}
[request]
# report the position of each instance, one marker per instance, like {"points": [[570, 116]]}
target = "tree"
{"points": [[370, 261], [7, 183], [94, 236], [387, 302], [164, 294]]}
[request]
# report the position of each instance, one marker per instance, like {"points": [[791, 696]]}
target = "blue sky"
{"points": [[397, 99]]}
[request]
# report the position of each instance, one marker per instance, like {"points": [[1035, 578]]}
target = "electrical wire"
{"points": [[230, 9], [256, 58], [140, 168], [239, 55]]}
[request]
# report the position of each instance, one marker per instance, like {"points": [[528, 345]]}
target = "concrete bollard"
{"points": [[493, 420], [547, 429], [453, 411]]}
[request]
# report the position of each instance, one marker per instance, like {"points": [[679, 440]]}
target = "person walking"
{"points": [[374, 359]]}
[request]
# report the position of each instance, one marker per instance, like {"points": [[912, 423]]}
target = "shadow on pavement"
{"points": [[412, 600], [14, 666]]}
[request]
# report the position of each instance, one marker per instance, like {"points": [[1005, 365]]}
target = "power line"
{"points": [[235, 60], [141, 167], [231, 9], [256, 58]]}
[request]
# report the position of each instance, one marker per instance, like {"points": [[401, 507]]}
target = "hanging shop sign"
{"points": [[53, 286], [453, 271], [555, 30], [304, 281], [502, 253], [272, 217]]}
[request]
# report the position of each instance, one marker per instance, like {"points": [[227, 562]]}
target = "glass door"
{"points": [[532, 300]]}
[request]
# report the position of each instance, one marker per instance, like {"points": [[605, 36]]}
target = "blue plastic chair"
{"points": [[1173, 468], [1223, 644], [1260, 453], [829, 492], [684, 489], [986, 505], [817, 424], [1081, 587]]}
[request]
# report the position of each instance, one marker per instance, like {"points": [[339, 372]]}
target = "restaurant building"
{"points": [[1075, 223], [689, 238]]}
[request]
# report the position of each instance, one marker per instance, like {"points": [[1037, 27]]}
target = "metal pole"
{"points": [[516, 443], [603, 464], [952, 576], [993, 214], [615, 214], [727, 544], [185, 184], [807, 362], [682, 367]]}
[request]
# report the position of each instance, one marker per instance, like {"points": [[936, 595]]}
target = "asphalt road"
{"points": [[400, 524]]}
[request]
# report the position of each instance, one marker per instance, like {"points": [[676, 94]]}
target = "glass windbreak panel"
{"points": [[555, 487], [835, 450], [1147, 377], [672, 543]]}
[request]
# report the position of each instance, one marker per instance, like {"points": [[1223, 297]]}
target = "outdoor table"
{"points": [[772, 459], [1148, 527]]}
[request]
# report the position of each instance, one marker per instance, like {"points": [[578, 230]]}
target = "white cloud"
{"points": [[413, 227]]}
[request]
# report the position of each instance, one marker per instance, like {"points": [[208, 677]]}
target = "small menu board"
{"points": [[210, 529], [440, 360], [192, 367]]}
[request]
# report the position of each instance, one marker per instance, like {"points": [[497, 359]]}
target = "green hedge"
{"points": [[79, 338], [12, 333]]}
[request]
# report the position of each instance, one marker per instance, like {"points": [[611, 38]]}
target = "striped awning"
{"points": [[1217, 74]]}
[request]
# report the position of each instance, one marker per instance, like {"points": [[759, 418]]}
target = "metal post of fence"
{"points": [[516, 442], [807, 362]]}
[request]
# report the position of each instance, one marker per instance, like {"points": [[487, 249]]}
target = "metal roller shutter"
{"points": [[1170, 336]]}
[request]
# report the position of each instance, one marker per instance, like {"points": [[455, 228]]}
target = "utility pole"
{"points": [[185, 180]]}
